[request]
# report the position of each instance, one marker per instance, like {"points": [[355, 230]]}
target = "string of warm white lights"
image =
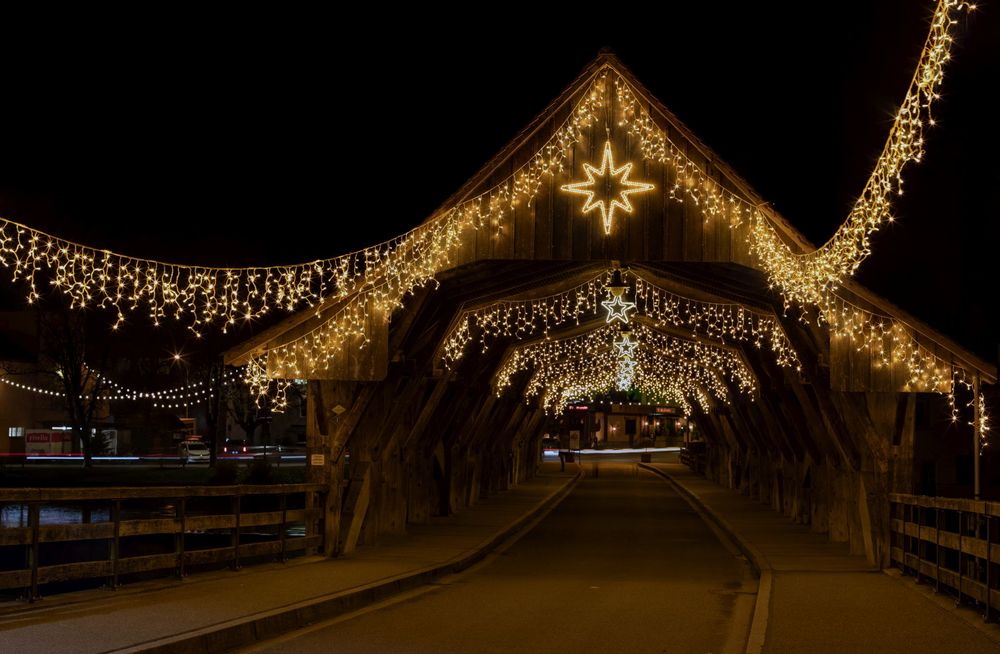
{"points": [[716, 320], [265, 391], [594, 380], [381, 294], [192, 390], [178, 397], [378, 276], [561, 366], [28, 387], [360, 289], [984, 422], [810, 278], [521, 319], [657, 378]]}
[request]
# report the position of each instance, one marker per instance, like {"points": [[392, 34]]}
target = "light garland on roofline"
{"points": [[809, 279], [373, 282], [812, 279], [383, 274]]}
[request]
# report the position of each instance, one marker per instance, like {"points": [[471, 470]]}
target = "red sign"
{"points": [[666, 409], [578, 407], [37, 437]]}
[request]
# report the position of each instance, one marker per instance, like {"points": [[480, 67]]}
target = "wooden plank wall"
{"points": [[552, 227]]}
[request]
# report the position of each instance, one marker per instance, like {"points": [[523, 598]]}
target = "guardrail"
{"points": [[67, 534], [953, 543]]}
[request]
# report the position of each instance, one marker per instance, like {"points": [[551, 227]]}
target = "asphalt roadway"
{"points": [[621, 565]]}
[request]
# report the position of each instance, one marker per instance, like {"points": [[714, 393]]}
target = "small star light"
{"points": [[618, 308], [626, 347], [614, 187], [626, 374]]}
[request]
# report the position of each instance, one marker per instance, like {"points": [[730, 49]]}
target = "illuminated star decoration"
{"points": [[618, 308], [626, 347], [614, 186]]}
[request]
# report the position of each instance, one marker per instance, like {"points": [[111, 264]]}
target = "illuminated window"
{"points": [[15, 432]]}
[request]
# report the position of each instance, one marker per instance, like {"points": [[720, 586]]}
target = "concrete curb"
{"points": [[759, 562], [248, 630]]}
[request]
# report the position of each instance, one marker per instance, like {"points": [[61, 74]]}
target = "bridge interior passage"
{"points": [[443, 397]]}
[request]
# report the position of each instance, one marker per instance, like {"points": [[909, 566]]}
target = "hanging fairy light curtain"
{"points": [[520, 319], [810, 280], [562, 367], [382, 273], [375, 280]]}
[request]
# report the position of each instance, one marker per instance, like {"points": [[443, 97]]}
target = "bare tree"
{"points": [[63, 354]]}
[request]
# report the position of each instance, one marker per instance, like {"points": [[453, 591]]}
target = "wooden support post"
{"points": [[283, 527], [116, 518], [34, 518], [977, 437], [179, 537], [356, 505], [236, 533]]}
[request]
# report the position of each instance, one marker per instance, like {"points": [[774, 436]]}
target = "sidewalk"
{"points": [[217, 611], [823, 599]]}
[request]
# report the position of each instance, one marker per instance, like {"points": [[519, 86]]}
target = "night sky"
{"points": [[172, 138]]}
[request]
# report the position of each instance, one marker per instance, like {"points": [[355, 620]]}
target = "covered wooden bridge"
{"points": [[606, 249]]}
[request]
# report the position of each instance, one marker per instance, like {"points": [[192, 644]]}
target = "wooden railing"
{"points": [[950, 542], [125, 531]]}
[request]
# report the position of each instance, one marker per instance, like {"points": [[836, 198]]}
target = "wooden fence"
{"points": [[251, 521], [950, 542]]}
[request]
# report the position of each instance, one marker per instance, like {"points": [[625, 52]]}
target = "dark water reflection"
{"points": [[16, 515]]}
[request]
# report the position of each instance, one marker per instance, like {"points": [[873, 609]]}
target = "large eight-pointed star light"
{"points": [[607, 187]]}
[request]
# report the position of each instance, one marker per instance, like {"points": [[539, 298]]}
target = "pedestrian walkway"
{"points": [[823, 599], [215, 611]]}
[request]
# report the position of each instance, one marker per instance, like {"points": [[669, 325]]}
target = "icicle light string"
{"points": [[559, 364], [207, 295], [520, 319]]}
